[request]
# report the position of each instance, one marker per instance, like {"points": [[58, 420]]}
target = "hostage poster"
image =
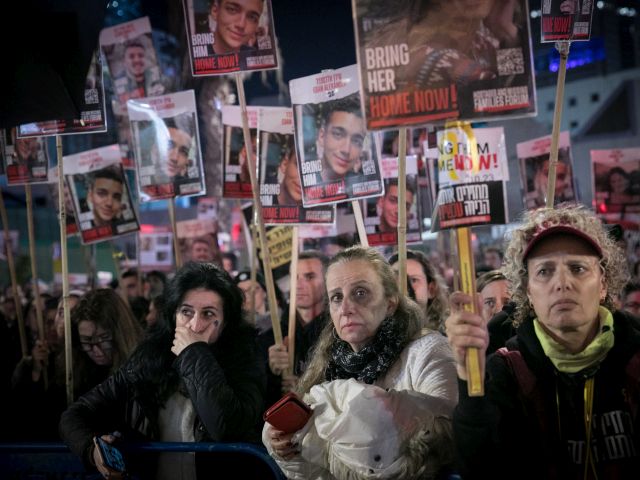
{"points": [[198, 240], [381, 213], [424, 62], [566, 20], [166, 145], [227, 36], [26, 159], [534, 169], [616, 186], [279, 174], [131, 57], [92, 112], [237, 179], [156, 247], [337, 157], [472, 169], [101, 198]]}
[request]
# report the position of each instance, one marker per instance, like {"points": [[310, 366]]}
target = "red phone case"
{"points": [[289, 414]]}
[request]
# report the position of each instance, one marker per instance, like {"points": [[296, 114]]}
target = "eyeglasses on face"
{"points": [[102, 341]]}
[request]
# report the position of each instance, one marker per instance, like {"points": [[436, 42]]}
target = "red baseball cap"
{"points": [[544, 230]]}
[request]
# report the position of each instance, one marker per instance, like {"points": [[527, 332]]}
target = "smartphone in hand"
{"points": [[110, 459]]}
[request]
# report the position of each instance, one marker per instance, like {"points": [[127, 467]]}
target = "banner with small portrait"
{"points": [[534, 170], [132, 60], [279, 174], [616, 186], [27, 160], [92, 111], [235, 164], [566, 20], [198, 240], [472, 168], [166, 143], [156, 247], [381, 213], [101, 198], [431, 61], [337, 157], [226, 36]]}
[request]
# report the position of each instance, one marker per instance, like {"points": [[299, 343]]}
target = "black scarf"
{"points": [[370, 362]]}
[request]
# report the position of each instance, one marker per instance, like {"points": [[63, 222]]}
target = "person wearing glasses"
{"points": [[197, 377], [104, 333]]}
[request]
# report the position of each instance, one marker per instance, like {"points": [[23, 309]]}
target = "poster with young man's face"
{"points": [[101, 198], [165, 138], [279, 174], [227, 36], [26, 159], [198, 240], [337, 158], [381, 216], [131, 57]]}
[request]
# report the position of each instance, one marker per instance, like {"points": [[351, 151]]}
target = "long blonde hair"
{"points": [[407, 314]]}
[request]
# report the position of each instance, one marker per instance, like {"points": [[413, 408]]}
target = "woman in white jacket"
{"points": [[382, 395]]}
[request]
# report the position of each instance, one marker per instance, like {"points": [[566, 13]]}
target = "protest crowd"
{"points": [[325, 331]]}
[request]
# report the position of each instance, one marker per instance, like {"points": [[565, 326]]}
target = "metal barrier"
{"points": [[26, 461]]}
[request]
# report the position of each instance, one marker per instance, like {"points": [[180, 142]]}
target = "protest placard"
{"points": [[219, 45], [337, 157]]}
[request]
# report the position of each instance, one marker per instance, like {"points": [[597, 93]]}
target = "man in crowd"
{"points": [[311, 318]]}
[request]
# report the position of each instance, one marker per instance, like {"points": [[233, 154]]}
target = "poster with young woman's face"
{"points": [[616, 186], [429, 61], [101, 198]]}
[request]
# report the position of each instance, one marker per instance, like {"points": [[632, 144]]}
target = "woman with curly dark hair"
{"points": [[197, 377], [561, 400]]}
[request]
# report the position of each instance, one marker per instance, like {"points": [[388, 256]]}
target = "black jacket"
{"points": [[306, 337], [541, 435], [225, 383]]}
